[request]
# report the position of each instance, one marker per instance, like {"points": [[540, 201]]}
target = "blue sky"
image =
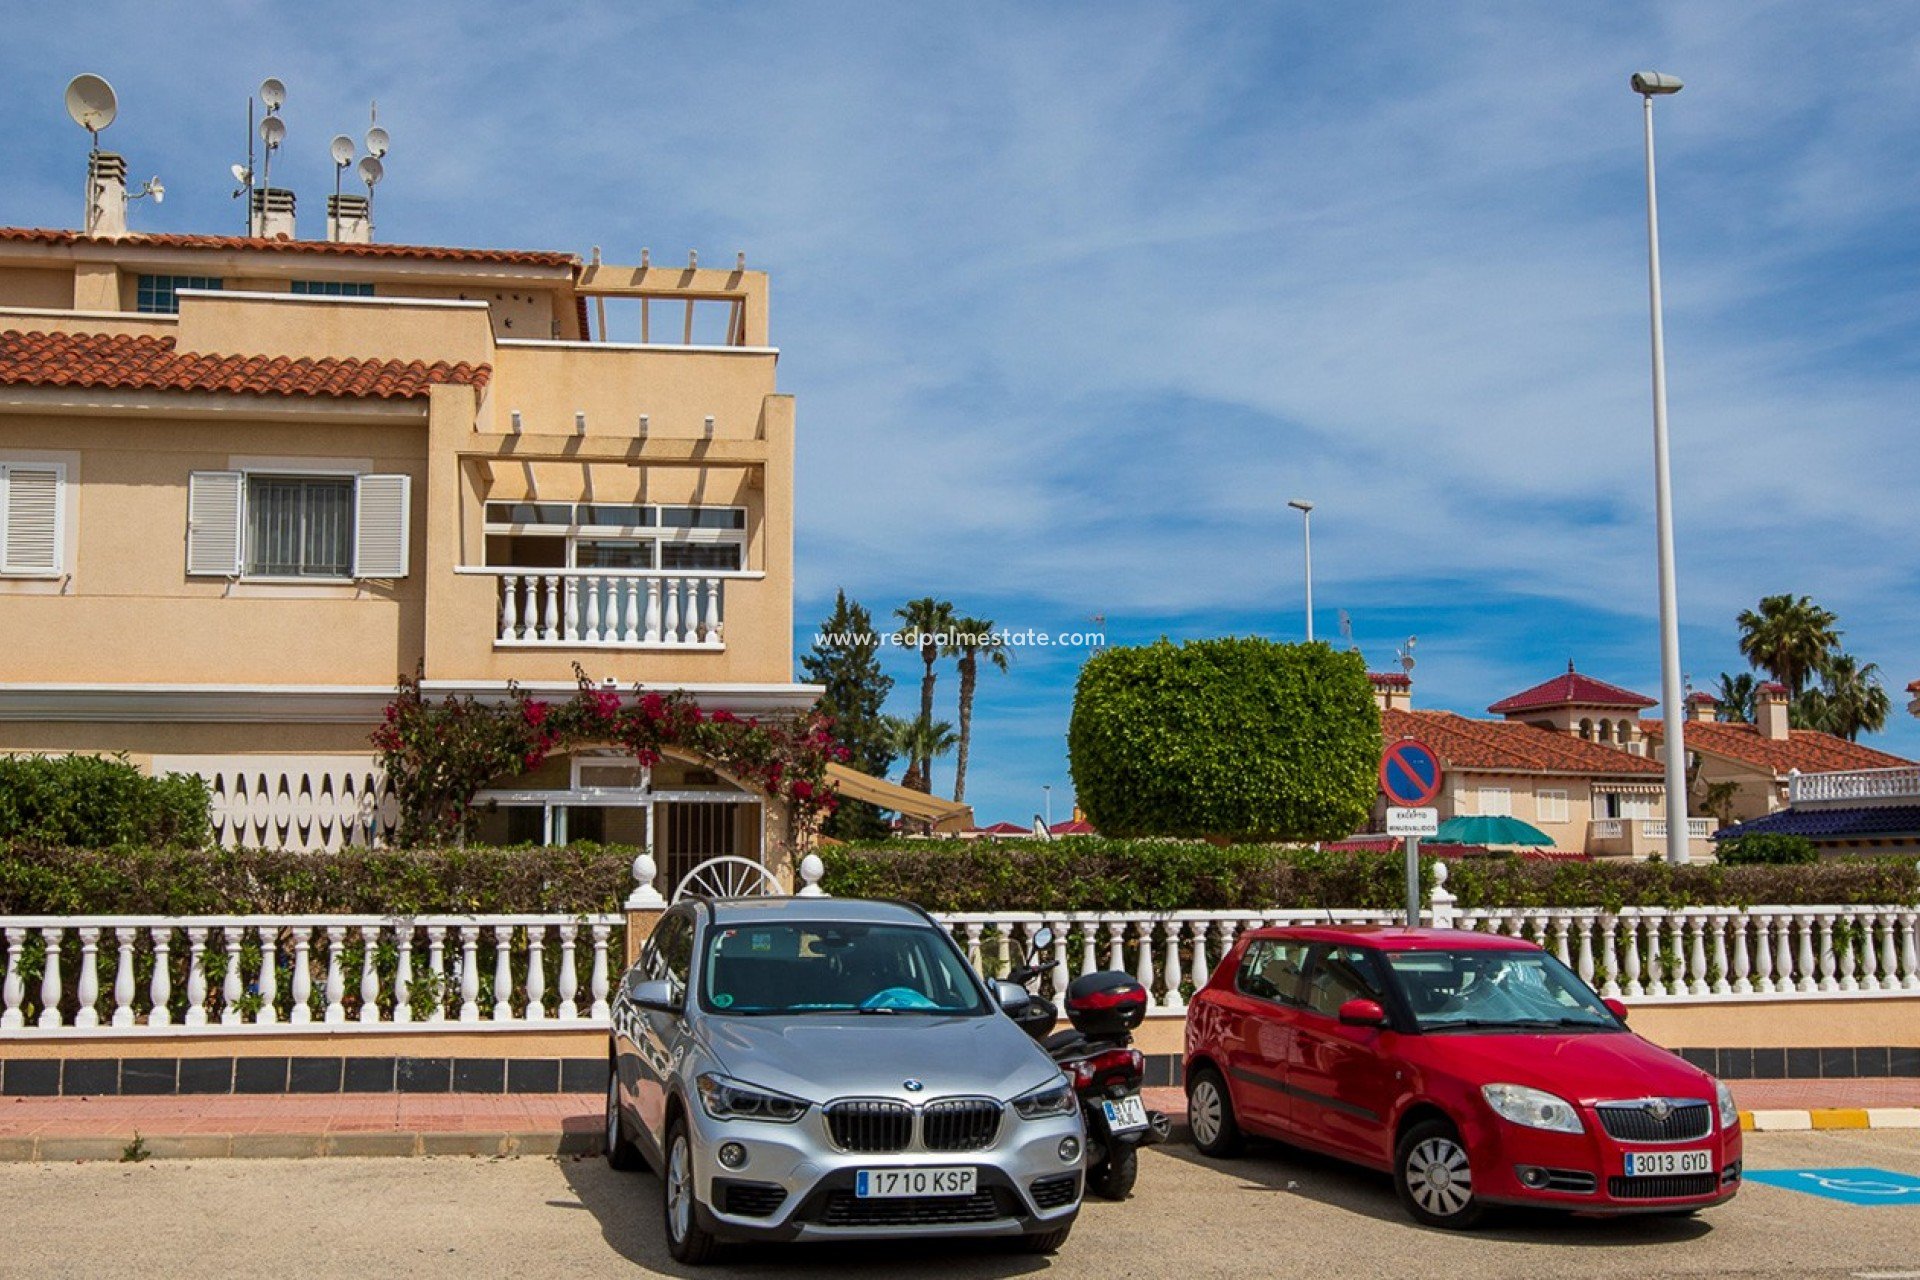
{"points": [[1075, 297]]}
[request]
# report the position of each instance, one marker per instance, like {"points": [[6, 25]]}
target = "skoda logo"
{"points": [[912, 1086], [1659, 1108]]}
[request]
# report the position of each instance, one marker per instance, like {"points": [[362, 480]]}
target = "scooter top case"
{"points": [[1106, 1004]]}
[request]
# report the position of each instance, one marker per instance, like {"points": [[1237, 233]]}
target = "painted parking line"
{"points": [[1850, 1186]]}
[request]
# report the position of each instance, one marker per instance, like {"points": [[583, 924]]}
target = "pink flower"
{"points": [[653, 706], [536, 712], [606, 704], [803, 790], [724, 716]]}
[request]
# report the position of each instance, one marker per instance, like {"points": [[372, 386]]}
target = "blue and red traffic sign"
{"points": [[1409, 773]]}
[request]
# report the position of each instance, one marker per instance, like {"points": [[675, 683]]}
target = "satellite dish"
{"points": [[273, 93], [91, 102], [273, 130], [342, 151], [240, 173], [371, 170], [377, 141]]}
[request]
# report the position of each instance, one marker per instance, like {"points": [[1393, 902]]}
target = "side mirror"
{"points": [[1040, 939], [656, 995], [1618, 1008], [1011, 996], [1363, 1013]]}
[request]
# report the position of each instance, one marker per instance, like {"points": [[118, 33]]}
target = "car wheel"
{"points": [[1113, 1178], [1433, 1177], [1210, 1115], [1044, 1241], [687, 1240], [621, 1154]]}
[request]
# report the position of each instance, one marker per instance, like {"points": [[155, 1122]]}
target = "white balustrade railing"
{"points": [[615, 608], [1856, 784], [1697, 828], [1608, 829], [149, 973]]}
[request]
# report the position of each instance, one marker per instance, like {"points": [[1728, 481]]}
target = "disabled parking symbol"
{"points": [[1851, 1186]]}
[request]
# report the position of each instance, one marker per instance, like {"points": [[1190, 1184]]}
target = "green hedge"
{"points": [[96, 802], [48, 880], [1768, 848], [1237, 738], [1510, 882]]}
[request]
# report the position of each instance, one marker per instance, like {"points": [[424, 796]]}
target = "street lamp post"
{"points": [[1305, 509], [1047, 791], [1649, 85]]}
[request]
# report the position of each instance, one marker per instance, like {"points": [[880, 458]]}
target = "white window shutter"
{"points": [[380, 526], [215, 502], [30, 512]]}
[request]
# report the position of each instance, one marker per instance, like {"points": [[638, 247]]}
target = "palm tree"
{"points": [[1853, 698], [1736, 697], [920, 740], [973, 639], [924, 624], [1790, 636]]}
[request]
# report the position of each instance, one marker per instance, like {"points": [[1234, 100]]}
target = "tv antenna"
{"points": [[1346, 631], [1405, 654], [342, 152], [373, 168], [272, 132]]}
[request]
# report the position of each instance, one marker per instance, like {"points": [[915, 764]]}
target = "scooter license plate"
{"points": [[1124, 1115]]}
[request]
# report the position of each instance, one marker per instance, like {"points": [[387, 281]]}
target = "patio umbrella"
{"points": [[1492, 830]]}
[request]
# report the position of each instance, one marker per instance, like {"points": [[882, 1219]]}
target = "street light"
{"points": [[1047, 789], [1649, 85], [1305, 509]]}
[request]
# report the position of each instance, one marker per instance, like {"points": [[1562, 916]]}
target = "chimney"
{"points": [[1702, 708], [273, 213], [1392, 690], [1770, 711], [349, 220], [106, 194]]}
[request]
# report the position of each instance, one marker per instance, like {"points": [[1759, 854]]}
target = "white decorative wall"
{"points": [[292, 802]]}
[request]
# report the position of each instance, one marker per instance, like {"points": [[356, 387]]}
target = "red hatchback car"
{"points": [[1477, 1069]]}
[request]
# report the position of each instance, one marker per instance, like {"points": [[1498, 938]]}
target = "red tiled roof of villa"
{"points": [[435, 253], [1391, 679], [143, 362], [1807, 750], [1571, 689], [1505, 747]]}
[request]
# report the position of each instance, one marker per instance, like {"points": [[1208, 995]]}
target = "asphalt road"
{"points": [[1272, 1214]]}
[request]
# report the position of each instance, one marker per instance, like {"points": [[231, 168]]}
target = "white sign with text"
{"points": [[1413, 822]]}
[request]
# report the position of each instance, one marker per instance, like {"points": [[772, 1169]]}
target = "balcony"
{"points": [[1643, 837], [609, 609], [1855, 787]]}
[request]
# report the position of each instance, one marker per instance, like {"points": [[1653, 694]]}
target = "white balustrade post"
{"points": [[1656, 962], [1889, 959], [336, 989], [87, 990], [590, 612], [673, 610], [1143, 959], [569, 973], [51, 989], [1829, 962], [1867, 950], [629, 611], [269, 937], [1225, 931], [1609, 950], [1742, 961], [1631, 954], [653, 611], [973, 931], [15, 988], [1116, 946], [1089, 944], [1585, 966], [510, 606], [1060, 979], [160, 990], [710, 622], [1808, 968], [437, 969], [503, 972], [1846, 949], [1170, 966], [123, 984], [403, 971], [196, 978], [369, 976], [1198, 971], [300, 987], [1763, 955], [1696, 957], [644, 894], [812, 870], [549, 608], [469, 972], [1719, 923], [570, 609], [1909, 961], [536, 973], [598, 980], [232, 985]]}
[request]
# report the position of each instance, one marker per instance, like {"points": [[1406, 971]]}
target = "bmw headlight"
{"points": [[1729, 1109], [725, 1099], [1534, 1108], [1055, 1098]]}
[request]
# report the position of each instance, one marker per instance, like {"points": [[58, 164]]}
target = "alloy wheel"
{"points": [[679, 1188], [1438, 1178], [1203, 1113]]}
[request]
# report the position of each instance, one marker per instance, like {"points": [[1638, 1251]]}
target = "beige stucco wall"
{"points": [[1461, 799], [36, 287]]}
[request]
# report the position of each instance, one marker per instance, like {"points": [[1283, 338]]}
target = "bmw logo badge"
{"points": [[913, 1086]]}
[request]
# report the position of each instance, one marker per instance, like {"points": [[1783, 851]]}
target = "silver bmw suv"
{"points": [[824, 1068]]}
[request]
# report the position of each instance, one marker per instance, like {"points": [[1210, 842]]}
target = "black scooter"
{"points": [[1098, 1056]]}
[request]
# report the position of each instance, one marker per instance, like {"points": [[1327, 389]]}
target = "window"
{"points": [[159, 295], [1341, 974], [334, 288], [299, 527], [1495, 802], [31, 530], [1552, 806], [601, 535], [1273, 970], [284, 525], [670, 952]]}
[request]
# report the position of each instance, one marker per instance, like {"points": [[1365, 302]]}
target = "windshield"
{"points": [[835, 968], [1494, 990]]}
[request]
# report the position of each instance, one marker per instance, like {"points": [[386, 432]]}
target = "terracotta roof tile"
{"points": [[436, 253], [1509, 748], [143, 362], [1390, 679], [1571, 689], [1807, 750]]}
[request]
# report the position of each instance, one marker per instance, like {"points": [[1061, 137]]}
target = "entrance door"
{"points": [[688, 832]]}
